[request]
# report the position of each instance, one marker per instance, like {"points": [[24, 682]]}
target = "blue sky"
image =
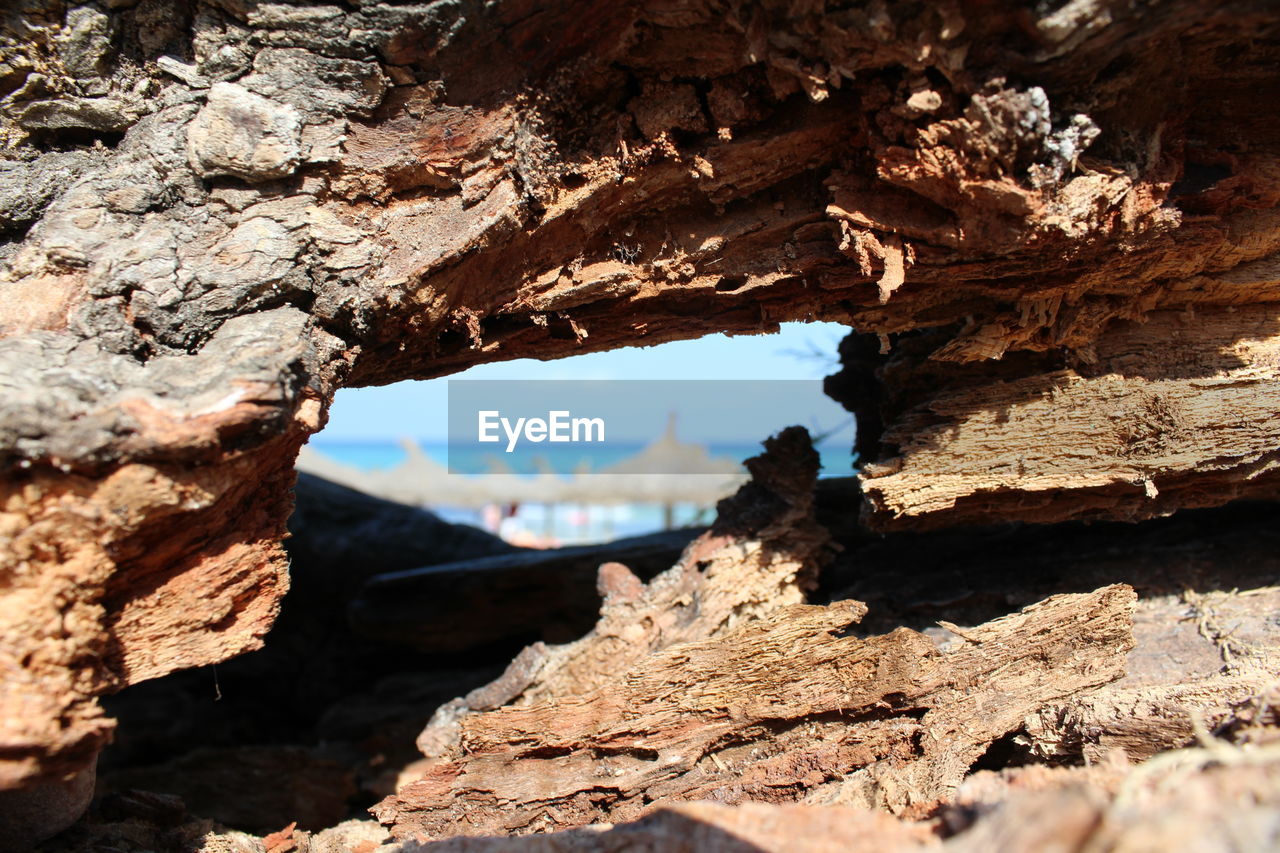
{"points": [[800, 351]]}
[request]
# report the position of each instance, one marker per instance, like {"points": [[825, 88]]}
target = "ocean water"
{"points": [[546, 525], [379, 455]]}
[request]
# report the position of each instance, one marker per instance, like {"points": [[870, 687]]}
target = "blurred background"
{"points": [[393, 441]]}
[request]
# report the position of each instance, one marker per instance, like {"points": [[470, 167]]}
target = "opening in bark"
{"points": [[394, 610], [1054, 227]]}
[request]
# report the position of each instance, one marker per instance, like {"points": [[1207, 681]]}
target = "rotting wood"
{"points": [[1215, 797], [1173, 412], [707, 827], [1187, 675], [1201, 805], [970, 576], [1206, 642], [179, 289], [767, 712]]}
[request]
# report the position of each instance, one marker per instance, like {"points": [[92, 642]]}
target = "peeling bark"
{"points": [[767, 712], [1197, 806], [1173, 412], [181, 293], [1223, 798], [1172, 695], [92, 629], [762, 553]]}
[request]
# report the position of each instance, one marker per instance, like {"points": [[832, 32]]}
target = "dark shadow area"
{"points": [[504, 602], [1003, 752], [974, 574]]}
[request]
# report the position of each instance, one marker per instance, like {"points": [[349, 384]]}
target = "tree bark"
{"points": [[1195, 806], [769, 711], [216, 214]]}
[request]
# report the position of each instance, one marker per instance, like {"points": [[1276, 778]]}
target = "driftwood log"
{"points": [[212, 215]]}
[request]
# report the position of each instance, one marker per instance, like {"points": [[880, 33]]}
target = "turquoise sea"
{"points": [[837, 460]]}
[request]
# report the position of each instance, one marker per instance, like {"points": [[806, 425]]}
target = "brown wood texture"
{"points": [[214, 215], [768, 712], [762, 553], [1206, 801], [1208, 798], [1171, 412]]}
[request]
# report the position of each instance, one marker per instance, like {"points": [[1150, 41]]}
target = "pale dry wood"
{"points": [[1219, 799], [1201, 662], [1173, 412]]}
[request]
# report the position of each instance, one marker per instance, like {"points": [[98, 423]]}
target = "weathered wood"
{"points": [[768, 711], [969, 575], [1219, 798], [285, 692], [715, 828], [1201, 662], [63, 536], [961, 576], [1175, 411], [182, 292], [1198, 806], [1201, 651]]}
